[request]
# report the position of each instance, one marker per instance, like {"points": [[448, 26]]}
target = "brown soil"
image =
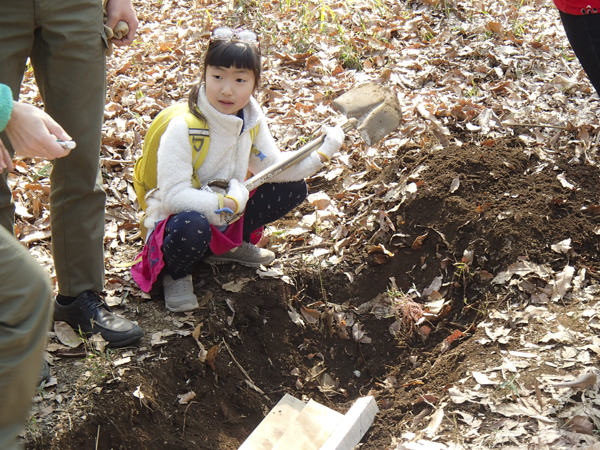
{"points": [[503, 210]]}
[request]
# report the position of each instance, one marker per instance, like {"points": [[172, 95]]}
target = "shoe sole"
{"points": [[126, 342], [218, 262], [112, 344], [183, 308]]}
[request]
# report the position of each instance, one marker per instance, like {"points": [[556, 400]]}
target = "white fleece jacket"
{"points": [[228, 157]]}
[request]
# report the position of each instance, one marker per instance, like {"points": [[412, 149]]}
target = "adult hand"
{"points": [[33, 133], [334, 138], [117, 10]]}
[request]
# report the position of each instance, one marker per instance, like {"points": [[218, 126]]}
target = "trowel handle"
{"points": [[296, 157]]}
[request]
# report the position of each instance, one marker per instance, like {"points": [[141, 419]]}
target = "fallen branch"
{"points": [[237, 363], [185, 416], [315, 375], [249, 381], [584, 381], [310, 247], [534, 125]]}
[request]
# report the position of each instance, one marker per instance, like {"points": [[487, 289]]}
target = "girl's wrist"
{"points": [[323, 157], [231, 204]]}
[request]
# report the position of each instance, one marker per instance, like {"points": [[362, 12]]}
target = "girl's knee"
{"points": [[297, 191], [190, 226]]}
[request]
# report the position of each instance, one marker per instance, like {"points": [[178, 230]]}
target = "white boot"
{"points": [[179, 294]]}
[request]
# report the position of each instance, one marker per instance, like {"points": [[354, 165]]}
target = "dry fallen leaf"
{"points": [[483, 207], [485, 275], [310, 315], [583, 381], [98, 342], [562, 246], [454, 185], [202, 301], [483, 379], [211, 355], [186, 398], [157, 339], [424, 332], [580, 424], [434, 424], [138, 392], [66, 334], [197, 330], [591, 209], [418, 242], [235, 285], [467, 256], [495, 27]]}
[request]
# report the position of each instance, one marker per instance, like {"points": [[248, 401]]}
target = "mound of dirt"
{"points": [[472, 211]]}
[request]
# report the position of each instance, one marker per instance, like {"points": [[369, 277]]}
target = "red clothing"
{"points": [[578, 7], [149, 263]]}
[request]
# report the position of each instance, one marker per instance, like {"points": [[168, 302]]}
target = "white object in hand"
{"points": [[67, 145]]}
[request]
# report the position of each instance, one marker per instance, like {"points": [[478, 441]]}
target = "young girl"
{"points": [[186, 225]]}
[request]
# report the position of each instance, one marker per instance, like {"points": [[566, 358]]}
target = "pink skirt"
{"points": [[149, 262]]}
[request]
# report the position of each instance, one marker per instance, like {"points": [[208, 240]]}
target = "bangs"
{"points": [[237, 54]]}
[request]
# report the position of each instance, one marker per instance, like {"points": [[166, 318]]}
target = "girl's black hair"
{"points": [[220, 53]]}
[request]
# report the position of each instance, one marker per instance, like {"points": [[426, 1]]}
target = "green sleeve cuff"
{"points": [[6, 105]]}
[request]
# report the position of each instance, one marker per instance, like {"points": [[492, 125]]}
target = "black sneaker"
{"points": [[92, 315]]}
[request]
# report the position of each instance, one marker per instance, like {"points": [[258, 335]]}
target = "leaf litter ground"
{"points": [[451, 274]]}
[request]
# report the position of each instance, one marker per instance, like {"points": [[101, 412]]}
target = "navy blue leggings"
{"points": [[187, 235], [583, 33]]}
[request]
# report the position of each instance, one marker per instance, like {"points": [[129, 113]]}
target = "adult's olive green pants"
{"points": [[25, 305], [65, 44]]}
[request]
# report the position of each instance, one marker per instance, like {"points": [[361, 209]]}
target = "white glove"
{"points": [[334, 138], [239, 194]]}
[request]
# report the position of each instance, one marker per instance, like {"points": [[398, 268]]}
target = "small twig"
{"points": [[310, 247], [538, 394], [443, 355], [316, 375], [98, 436], [237, 363], [419, 418], [276, 391], [248, 379], [535, 125], [185, 416]]}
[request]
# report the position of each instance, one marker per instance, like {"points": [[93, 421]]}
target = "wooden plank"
{"points": [[274, 425], [311, 428], [354, 425]]}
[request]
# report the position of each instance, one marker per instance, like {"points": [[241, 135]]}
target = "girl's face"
{"points": [[228, 88]]}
